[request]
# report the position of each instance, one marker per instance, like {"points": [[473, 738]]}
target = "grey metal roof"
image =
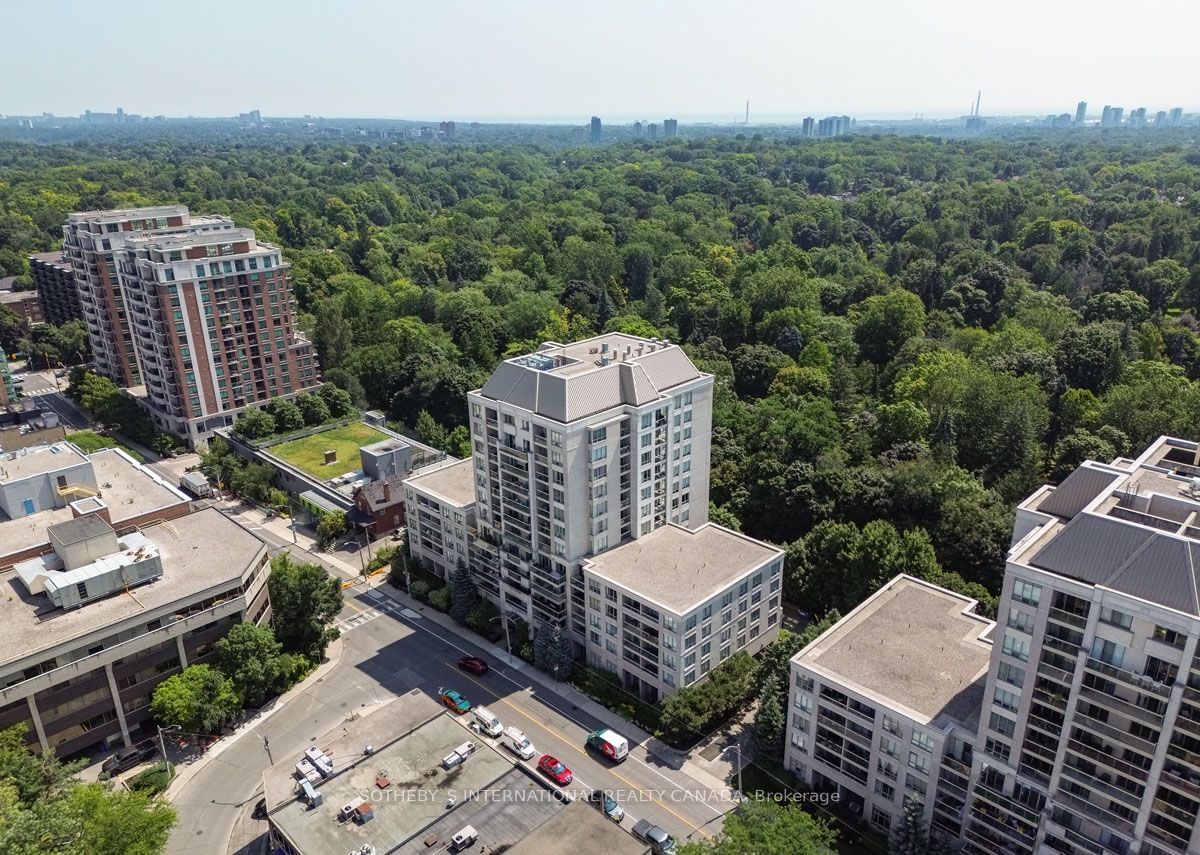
{"points": [[78, 530], [1145, 563], [1080, 487], [584, 390]]}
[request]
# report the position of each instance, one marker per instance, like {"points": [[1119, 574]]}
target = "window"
{"points": [[1006, 699], [912, 782], [1027, 593], [804, 703], [885, 789], [1018, 648], [1011, 674], [1021, 621], [997, 748], [1169, 636], [1116, 618], [889, 746], [599, 434], [1108, 651], [922, 740], [799, 742], [881, 818], [1002, 725], [920, 762]]}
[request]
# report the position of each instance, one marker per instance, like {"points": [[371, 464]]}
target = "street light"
{"points": [[507, 639], [162, 745]]}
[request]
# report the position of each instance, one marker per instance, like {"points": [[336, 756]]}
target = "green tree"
{"points": [[910, 836], [313, 409], [287, 416], [463, 594], [330, 527], [254, 424], [255, 662], [304, 601], [885, 322], [769, 723], [338, 400], [199, 699], [768, 828]]}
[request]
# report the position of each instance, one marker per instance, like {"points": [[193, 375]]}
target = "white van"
{"points": [[611, 744], [518, 743], [488, 724]]}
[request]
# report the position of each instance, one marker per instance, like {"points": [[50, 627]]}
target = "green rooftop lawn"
{"points": [[308, 453]]}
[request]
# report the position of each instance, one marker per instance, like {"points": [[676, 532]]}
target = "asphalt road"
{"points": [[387, 652], [68, 413]]}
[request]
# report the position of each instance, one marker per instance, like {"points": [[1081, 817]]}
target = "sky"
{"points": [[566, 60]]}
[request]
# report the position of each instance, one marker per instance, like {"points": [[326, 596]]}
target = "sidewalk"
{"points": [[332, 658]]}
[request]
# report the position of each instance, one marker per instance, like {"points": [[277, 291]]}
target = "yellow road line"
{"points": [[561, 738]]}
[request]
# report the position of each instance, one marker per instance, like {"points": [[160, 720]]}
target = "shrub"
{"points": [[154, 780], [420, 590], [440, 599]]}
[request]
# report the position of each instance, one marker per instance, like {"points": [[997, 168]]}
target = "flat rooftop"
{"points": [[580, 356], [29, 462], [579, 827], [410, 736], [308, 453], [200, 551], [912, 646], [454, 483], [680, 568]]}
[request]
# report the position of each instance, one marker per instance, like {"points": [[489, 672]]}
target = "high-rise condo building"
{"points": [[578, 448], [1088, 733], [1081, 113], [211, 321], [91, 239], [597, 131], [1176, 117], [670, 128]]}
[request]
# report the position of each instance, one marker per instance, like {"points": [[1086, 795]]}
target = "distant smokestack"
{"points": [[747, 111], [978, 98]]}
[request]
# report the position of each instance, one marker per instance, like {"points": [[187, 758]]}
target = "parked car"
{"points": [[473, 665], [455, 701], [607, 805], [657, 839], [553, 768], [517, 742], [127, 758]]}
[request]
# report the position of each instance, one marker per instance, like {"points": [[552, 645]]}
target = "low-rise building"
{"points": [[89, 627], [25, 304], [440, 502], [665, 609], [45, 485], [886, 704]]}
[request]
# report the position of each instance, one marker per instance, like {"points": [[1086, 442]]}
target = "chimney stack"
{"points": [[387, 492]]}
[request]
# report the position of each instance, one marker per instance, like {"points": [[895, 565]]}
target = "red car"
{"points": [[553, 768], [473, 664]]}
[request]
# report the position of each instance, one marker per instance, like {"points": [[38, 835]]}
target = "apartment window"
{"points": [[1108, 651], [1020, 621], [920, 762], [1027, 593], [885, 789], [1006, 699], [600, 472], [599, 454], [998, 749], [804, 703], [799, 742], [599, 434], [889, 746], [881, 818], [912, 782], [1011, 674], [1116, 618], [1002, 725], [1169, 636], [1018, 648]]}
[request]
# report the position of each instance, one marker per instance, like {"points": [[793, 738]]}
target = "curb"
{"points": [[332, 659]]}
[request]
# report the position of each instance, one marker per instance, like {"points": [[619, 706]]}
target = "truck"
{"points": [[611, 744], [517, 742], [657, 839], [196, 484]]}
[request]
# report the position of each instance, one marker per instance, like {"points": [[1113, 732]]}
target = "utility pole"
{"points": [[738, 748]]}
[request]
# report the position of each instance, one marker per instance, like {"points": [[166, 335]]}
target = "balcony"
{"points": [[1094, 783], [1066, 617], [1105, 817], [1181, 779], [1136, 681], [1117, 704], [1122, 737], [998, 799]]}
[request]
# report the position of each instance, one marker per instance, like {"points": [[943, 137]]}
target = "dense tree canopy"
{"points": [[908, 329]]}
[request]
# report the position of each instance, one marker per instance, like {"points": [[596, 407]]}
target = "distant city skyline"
{"points": [[469, 61]]}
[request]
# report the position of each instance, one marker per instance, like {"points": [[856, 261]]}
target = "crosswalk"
{"points": [[383, 605], [346, 624]]}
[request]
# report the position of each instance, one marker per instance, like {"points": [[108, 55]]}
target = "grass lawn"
{"points": [[308, 453]]}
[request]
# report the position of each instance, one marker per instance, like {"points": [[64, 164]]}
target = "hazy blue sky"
{"points": [[619, 59]]}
